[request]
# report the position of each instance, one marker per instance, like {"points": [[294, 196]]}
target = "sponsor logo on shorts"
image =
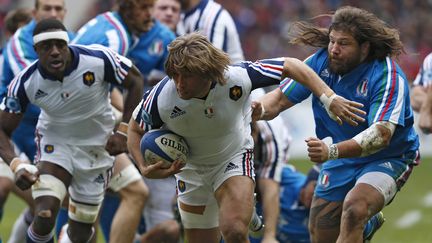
{"points": [[324, 180], [235, 92], [49, 148], [181, 185]]}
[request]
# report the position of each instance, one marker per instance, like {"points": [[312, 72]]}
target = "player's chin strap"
{"points": [[327, 102]]}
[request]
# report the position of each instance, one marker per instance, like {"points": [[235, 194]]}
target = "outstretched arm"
{"points": [[133, 84], [338, 108]]}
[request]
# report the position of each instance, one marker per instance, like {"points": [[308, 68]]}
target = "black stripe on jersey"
{"points": [[215, 19], [276, 161], [156, 121]]}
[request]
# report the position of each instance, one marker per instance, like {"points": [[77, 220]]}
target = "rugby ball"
{"points": [[163, 145]]}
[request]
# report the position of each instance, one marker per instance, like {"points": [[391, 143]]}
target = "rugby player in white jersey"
{"points": [[421, 98], [70, 84], [206, 101]]}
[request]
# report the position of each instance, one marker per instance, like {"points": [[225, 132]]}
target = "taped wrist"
{"points": [[333, 152], [123, 129]]}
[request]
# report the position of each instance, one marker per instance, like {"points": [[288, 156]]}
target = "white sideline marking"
{"points": [[427, 200], [408, 219]]}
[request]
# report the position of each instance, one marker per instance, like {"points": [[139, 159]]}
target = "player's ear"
{"points": [[364, 49]]}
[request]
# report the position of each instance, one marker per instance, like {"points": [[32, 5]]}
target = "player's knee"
{"points": [[136, 193], [172, 230], [236, 231], [355, 212]]}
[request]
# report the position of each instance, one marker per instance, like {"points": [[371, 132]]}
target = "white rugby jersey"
{"points": [[213, 21], [272, 146], [218, 127], [424, 77], [76, 110]]}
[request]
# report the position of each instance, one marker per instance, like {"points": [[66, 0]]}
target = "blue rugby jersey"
{"points": [[382, 88], [107, 29]]}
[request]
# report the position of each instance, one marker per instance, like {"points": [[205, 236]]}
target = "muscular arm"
{"points": [[135, 134], [418, 96], [8, 123], [369, 141], [134, 86], [302, 73], [273, 102], [269, 190], [425, 119]]}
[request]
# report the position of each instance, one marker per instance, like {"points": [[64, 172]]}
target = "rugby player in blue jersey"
{"points": [[367, 164]]}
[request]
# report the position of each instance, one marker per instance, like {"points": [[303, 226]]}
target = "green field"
{"points": [[409, 217]]}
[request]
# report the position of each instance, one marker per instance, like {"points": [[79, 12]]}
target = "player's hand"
{"points": [[341, 109], [159, 170], [117, 144], [317, 150], [257, 110], [26, 175]]}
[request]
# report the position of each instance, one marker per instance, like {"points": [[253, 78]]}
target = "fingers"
{"points": [[256, 110], [26, 180]]}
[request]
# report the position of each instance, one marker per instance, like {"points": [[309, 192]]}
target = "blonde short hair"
{"points": [[193, 54]]}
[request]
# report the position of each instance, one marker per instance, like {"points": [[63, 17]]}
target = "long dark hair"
{"points": [[363, 25]]}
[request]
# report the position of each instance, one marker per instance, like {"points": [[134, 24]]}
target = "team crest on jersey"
{"points": [[156, 48], [13, 104], [235, 92], [181, 185], [49, 148], [88, 78], [362, 88]]}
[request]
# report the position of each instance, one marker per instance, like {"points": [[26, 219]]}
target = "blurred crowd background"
{"points": [[264, 24]]}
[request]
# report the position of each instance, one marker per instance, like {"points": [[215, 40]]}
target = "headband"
{"points": [[59, 35]]}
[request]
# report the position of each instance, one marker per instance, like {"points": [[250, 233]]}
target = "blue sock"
{"points": [[109, 208], [62, 219]]}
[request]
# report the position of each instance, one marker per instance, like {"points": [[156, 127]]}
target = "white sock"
{"points": [[64, 236], [19, 230]]}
